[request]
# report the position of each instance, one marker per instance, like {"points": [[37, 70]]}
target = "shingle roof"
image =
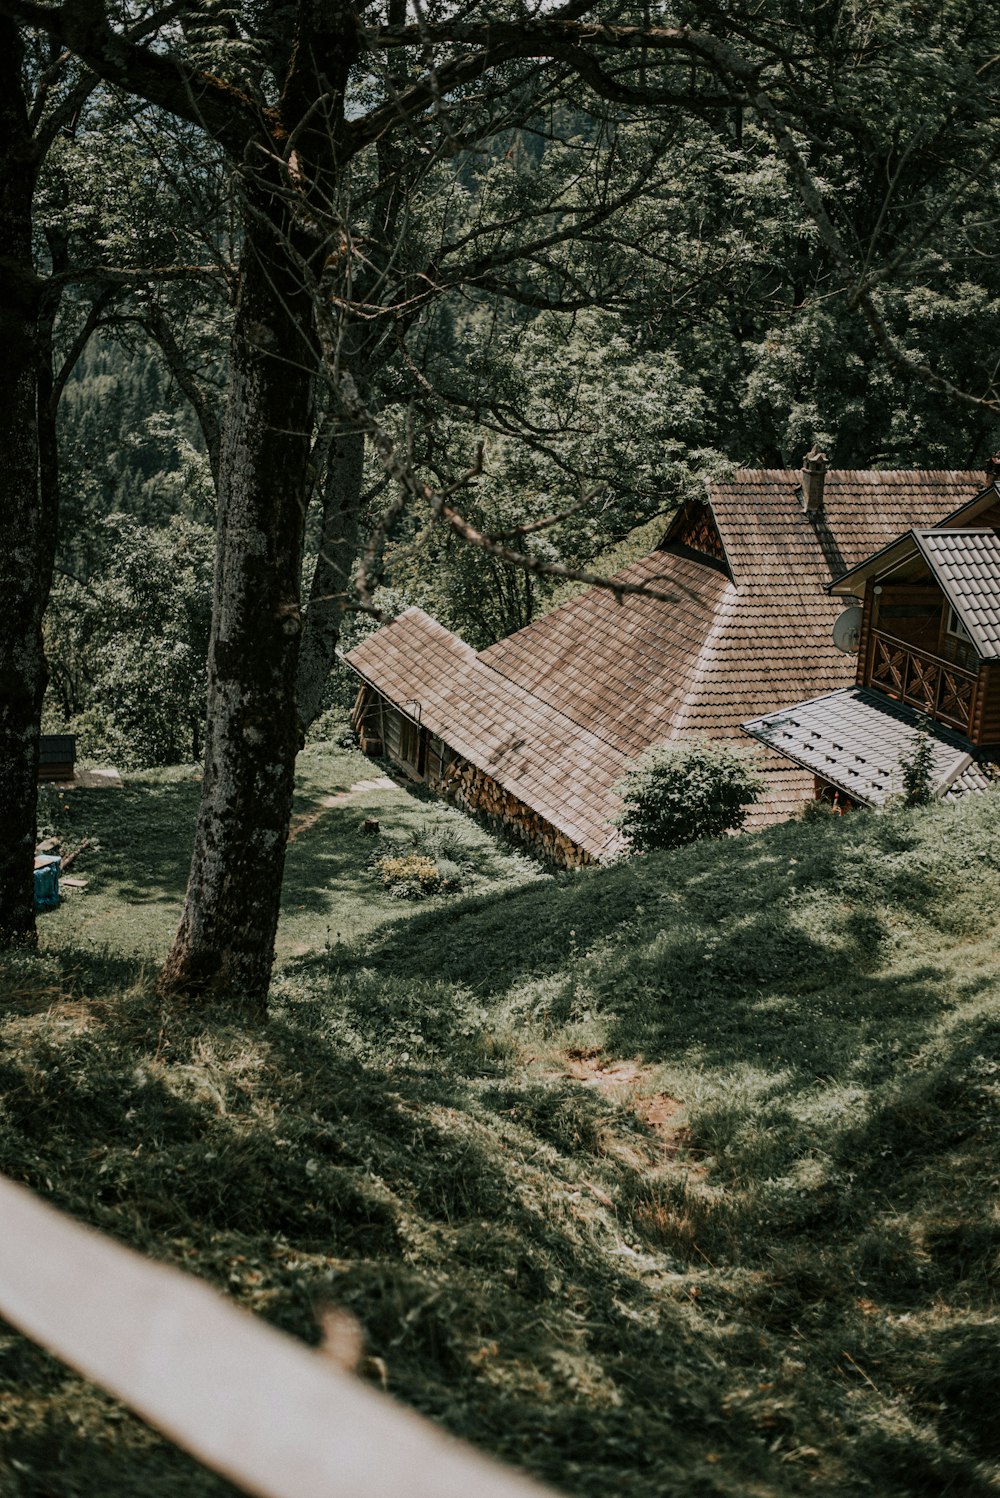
{"points": [[639, 672], [967, 565], [622, 668], [623, 674], [855, 739], [985, 501], [767, 535], [542, 757]]}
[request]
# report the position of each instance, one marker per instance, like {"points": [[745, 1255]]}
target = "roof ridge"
{"points": [[706, 657]]}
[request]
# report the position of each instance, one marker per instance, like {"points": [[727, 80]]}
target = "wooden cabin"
{"points": [[728, 617], [927, 609], [930, 629]]}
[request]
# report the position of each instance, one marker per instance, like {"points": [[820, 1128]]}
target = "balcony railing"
{"points": [[934, 686]]}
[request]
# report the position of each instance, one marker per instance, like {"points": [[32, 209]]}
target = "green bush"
{"points": [[679, 794], [917, 768]]}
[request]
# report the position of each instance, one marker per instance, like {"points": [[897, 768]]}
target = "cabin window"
{"points": [[954, 626]]}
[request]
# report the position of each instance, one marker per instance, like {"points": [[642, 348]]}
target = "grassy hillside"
{"points": [[678, 1178]]}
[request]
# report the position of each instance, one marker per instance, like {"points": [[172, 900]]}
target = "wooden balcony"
{"points": [[934, 686]]}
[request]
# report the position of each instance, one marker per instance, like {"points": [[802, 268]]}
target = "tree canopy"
{"points": [[622, 245]]}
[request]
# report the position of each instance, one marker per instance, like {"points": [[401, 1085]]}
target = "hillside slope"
{"points": [[674, 1178]]}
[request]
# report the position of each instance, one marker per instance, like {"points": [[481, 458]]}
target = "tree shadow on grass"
{"points": [[283, 1171], [327, 865], [141, 840], [291, 1175], [314, 1159], [682, 947]]}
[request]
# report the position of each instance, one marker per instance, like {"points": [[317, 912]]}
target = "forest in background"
{"points": [[442, 307], [703, 326]]}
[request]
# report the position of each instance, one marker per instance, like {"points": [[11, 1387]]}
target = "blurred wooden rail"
{"points": [[253, 1404]]}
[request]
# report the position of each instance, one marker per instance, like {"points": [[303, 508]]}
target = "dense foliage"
{"points": [[128, 650], [608, 370], [684, 792]]}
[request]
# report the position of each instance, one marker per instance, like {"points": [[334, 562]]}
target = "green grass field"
{"points": [[676, 1178], [140, 849]]}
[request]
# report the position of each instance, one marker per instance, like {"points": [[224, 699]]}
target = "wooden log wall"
{"points": [[986, 725], [366, 720]]}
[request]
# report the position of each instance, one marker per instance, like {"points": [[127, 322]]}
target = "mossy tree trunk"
{"points": [[27, 529], [225, 941], [330, 591]]}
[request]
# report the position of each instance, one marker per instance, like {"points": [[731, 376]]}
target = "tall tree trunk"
{"points": [[329, 593], [27, 531], [225, 942]]}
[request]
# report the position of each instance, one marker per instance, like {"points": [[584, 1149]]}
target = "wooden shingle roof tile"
{"points": [[527, 746]]}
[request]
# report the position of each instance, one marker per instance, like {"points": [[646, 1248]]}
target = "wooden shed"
{"points": [[57, 757]]}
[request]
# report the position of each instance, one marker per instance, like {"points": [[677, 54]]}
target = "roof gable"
{"points": [[966, 563], [895, 547], [694, 527]]}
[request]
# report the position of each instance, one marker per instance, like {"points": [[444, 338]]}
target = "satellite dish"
{"points": [[847, 629]]}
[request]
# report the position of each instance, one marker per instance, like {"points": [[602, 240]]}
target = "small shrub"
{"points": [[451, 873], [917, 769], [333, 726], [682, 793], [409, 876], [819, 811]]}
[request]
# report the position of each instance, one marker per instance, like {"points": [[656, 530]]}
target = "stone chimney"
{"points": [[814, 466]]}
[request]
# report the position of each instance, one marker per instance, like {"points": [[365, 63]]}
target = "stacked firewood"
{"points": [[473, 790]]}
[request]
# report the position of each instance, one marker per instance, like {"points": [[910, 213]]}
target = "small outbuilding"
{"points": [[57, 757]]}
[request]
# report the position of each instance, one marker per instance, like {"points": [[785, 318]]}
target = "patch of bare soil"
{"points": [[623, 1081]]}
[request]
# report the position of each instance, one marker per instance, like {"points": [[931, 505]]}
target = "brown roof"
{"points": [[622, 666], [621, 673], [641, 672], [984, 507], [766, 534], [542, 757]]}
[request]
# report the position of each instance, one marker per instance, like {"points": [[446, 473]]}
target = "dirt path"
{"points": [[361, 789], [621, 1081]]}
